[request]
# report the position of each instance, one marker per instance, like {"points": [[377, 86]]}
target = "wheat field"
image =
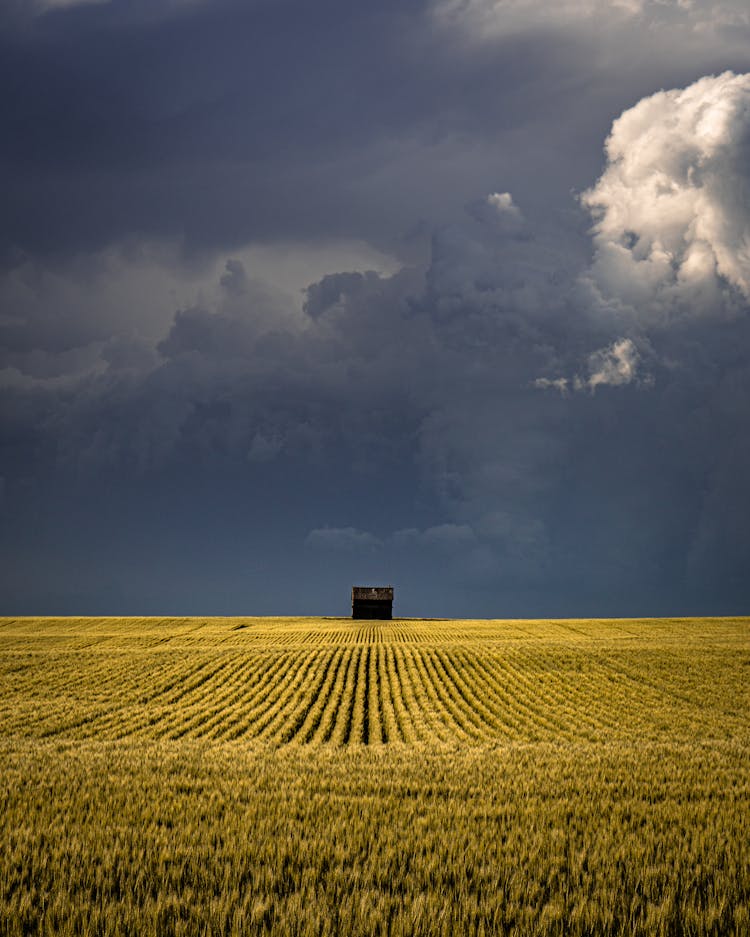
{"points": [[327, 776]]}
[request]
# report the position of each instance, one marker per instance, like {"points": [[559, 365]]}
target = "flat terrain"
{"points": [[320, 776]]}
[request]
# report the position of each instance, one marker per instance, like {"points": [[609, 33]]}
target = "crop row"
{"points": [[430, 686]]}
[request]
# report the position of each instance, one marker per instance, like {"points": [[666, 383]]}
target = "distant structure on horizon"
{"points": [[372, 601]]}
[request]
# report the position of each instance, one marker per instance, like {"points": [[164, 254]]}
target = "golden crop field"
{"points": [[324, 776]]}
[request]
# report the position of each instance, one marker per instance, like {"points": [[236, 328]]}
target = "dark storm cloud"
{"points": [[223, 122], [207, 122], [526, 418], [619, 478]]}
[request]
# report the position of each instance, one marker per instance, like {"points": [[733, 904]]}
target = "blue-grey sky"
{"points": [[448, 294]]}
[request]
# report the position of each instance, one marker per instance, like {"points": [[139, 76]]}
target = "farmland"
{"points": [[314, 776]]}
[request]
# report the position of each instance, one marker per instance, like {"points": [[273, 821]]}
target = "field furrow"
{"points": [[282, 700], [455, 711], [252, 692], [345, 712], [400, 723], [360, 730], [299, 723], [428, 700], [377, 731], [313, 682], [322, 704], [330, 718], [474, 702], [302, 700], [418, 722]]}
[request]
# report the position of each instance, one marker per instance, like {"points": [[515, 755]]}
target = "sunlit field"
{"points": [[327, 776]]}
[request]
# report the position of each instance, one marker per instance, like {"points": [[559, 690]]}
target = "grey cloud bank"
{"points": [[539, 409]]}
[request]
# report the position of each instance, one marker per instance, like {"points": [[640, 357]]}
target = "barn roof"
{"points": [[372, 593]]}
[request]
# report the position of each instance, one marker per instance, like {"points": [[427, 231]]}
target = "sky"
{"points": [[452, 295]]}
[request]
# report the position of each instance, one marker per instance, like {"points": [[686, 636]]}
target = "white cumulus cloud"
{"points": [[613, 366], [503, 204], [672, 208]]}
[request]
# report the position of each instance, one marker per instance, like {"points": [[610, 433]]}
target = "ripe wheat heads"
{"points": [[325, 776]]}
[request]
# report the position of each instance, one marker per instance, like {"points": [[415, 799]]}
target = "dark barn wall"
{"points": [[372, 602], [363, 608]]}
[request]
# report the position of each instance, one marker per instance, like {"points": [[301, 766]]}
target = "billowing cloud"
{"points": [[560, 384], [613, 366], [424, 377], [500, 214], [503, 204], [672, 208], [263, 339]]}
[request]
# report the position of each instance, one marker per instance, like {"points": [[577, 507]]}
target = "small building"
{"points": [[372, 601]]}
